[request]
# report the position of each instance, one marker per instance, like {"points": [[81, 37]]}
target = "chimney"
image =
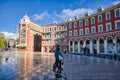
{"points": [[86, 14], [100, 9], [76, 17]]}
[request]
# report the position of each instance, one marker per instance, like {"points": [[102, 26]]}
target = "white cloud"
{"points": [[68, 13], [9, 35], [116, 2], [41, 16]]}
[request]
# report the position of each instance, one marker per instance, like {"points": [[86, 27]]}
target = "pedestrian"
{"points": [[84, 50], [6, 59], [65, 51], [58, 59]]}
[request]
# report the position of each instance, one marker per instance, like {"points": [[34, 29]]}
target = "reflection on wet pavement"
{"points": [[38, 66], [91, 68], [26, 66]]}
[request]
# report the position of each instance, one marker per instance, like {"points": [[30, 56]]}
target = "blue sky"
{"points": [[45, 11]]}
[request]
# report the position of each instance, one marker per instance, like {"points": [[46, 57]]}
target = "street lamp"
{"points": [[17, 30]]}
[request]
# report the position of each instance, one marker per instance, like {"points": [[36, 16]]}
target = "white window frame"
{"points": [[55, 35], [75, 31], [106, 16], [80, 22], [86, 31], [65, 34], [51, 29], [92, 29], [44, 29], [65, 27], [101, 18], [55, 28], [94, 20], [50, 35], [69, 33], [116, 24], [69, 25], [45, 42], [48, 29], [59, 28], [74, 24], [86, 23], [48, 41], [80, 31], [98, 28], [59, 34], [115, 12], [59, 41], [64, 41], [107, 27]]}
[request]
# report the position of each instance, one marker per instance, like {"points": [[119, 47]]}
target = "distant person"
{"points": [[58, 61], [65, 52], [84, 50], [6, 59]]}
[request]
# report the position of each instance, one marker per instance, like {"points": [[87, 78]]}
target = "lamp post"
{"points": [[17, 30]]}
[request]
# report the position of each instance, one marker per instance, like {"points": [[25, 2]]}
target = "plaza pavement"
{"points": [[91, 68], [38, 66]]}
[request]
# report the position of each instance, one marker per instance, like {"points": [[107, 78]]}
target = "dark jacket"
{"points": [[57, 52]]}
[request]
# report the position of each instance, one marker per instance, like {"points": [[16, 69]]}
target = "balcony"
{"points": [[46, 38], [48, 32], [63, 30]]}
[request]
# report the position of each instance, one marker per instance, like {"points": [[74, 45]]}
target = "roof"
{"points": [[25, 17]]}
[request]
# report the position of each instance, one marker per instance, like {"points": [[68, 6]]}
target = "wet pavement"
{"points": [[26, 66], [38, 66], [79, 67]]}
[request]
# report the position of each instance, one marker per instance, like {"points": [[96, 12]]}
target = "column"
{"points": [[115, 48], [48, 49], [69, 46], [91, 47], [98, 47], [105, 45], [73, 47], [84, 44], [79, 46]]}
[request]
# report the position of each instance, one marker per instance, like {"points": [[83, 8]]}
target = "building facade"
{"points": [[30, 34], [93, 34]]}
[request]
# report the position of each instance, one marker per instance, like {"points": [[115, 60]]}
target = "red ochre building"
{"points": [[98, 33]]}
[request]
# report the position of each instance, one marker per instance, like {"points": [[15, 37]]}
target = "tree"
{"points": [[2, 40], [2, 43], [2, 36]]}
